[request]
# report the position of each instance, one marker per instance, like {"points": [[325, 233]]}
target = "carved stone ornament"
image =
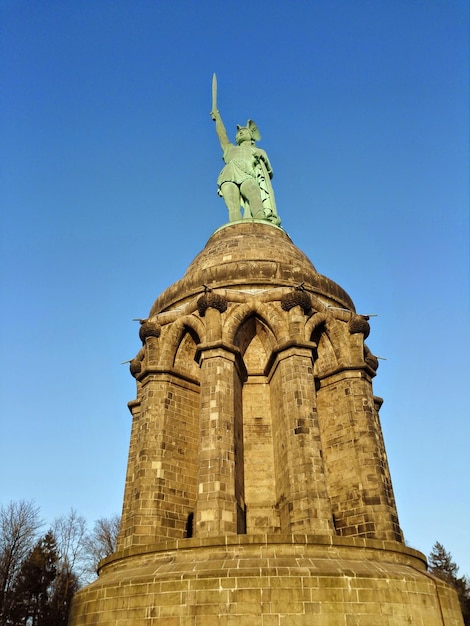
{"points": [[135, 366], [211, 300], [149, 329], [297, 298], [359, 324]]}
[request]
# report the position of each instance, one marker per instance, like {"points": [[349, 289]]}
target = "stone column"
{"points": [[161, 475], [356, 464], [304, 504], [127, 522]]}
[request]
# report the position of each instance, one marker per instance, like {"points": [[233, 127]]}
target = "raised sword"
{"points": [[214, 93]]}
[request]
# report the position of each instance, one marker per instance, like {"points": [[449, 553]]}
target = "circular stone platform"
{"points": [[267, 580]]}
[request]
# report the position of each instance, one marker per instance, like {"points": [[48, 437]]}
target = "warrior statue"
{"points": [[245, 181]]}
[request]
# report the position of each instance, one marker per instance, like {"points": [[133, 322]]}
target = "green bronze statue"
{"points": [[245, 181]]}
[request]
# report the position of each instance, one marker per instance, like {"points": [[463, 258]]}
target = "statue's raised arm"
{"points": [[245, 179], [220, 129]]}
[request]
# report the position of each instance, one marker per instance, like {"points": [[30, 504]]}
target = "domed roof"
{"points": [[250, 255]]}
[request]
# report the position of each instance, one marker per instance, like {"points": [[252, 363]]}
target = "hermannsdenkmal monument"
{"points": [[258, 491]]}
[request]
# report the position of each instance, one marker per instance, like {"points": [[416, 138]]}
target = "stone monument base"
{"points": [[267, 580]]}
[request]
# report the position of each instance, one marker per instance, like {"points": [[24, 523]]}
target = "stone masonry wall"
{"points": [[260, 486]]}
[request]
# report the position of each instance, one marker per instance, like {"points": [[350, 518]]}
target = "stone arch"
{"points": [[332, 338], [317, 323], [273, 320], [187, 325], [256, 343], [318, 329]]}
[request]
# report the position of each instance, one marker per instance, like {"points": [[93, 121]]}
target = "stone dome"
{"points": [[250, 255]]}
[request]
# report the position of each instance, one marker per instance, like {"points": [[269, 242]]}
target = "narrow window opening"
{"points": [[241, 520], [189, 526], [334, 523]]}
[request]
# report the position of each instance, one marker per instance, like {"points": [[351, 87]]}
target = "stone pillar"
{"points": [[127, 522], [144, 526], [161, 484], [387, 489], [303, 499], [216, 506], [356, 465], [160, 487]]}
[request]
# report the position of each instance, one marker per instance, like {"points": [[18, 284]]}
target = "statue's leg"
{"points": [[231, 195], [250, 191]]}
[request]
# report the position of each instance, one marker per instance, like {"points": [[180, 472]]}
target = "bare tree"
{"points": [[102, 540], [70, 532], [19, 525]]}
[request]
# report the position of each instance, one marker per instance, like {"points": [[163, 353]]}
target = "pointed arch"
{"points": [[318, 329], [188, 325], [267, 314], [256, 343], [317, 324], [332, 338]]}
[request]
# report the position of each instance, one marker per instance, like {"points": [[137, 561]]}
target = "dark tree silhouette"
{"points": [[441, 565], [34, 585], [19, 525]]}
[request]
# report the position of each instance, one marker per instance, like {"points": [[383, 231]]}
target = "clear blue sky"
{"points": [[109, 162]]}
